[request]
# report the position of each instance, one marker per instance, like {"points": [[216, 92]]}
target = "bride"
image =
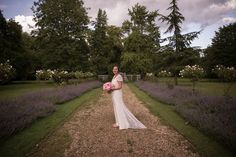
{"points": [[124, 118]]}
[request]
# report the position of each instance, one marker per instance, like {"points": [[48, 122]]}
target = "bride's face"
{"points": [[115, 70]]}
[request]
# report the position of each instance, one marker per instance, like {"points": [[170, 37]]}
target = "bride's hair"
{"points": [[116, 65]]}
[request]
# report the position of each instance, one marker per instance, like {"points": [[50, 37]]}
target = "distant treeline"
{"points": [[64, 41]]}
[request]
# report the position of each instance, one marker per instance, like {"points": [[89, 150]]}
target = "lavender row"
{"points": [[21, 112], [213, 114]]}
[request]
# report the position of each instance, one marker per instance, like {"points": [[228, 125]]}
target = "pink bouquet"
{"points": [[107, 86]]}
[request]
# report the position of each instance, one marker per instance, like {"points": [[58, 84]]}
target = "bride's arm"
{"points": [[119, 86]]}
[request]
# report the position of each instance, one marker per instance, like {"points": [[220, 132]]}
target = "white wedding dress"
{"points": [[124, 118]]}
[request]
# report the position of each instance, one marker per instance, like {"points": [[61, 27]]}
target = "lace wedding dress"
{"points": [[124, 118]]}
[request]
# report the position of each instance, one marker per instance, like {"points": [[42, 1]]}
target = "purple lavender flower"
{"points": [[22, 111], [215, 115]]}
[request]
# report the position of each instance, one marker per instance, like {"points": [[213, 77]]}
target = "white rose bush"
{"points": [[61, 76], [44, 74], [7, 72], [164, 73], [167, 75], [226, 74], [80, 74], [194, 73]]}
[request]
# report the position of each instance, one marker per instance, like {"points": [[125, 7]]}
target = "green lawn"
{"points": [[209, 86], [203, 144], [21, 143]]}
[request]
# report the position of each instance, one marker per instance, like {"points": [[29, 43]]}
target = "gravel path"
{"points": [[91, 134]]}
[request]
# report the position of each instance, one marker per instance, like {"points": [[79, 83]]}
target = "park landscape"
{"points": [[51, 98]]}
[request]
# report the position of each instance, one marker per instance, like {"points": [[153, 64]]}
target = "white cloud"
{"points": [[227, 20], [206, 12], [117, 14], [229, 5], [208, 15], [26, 22]]}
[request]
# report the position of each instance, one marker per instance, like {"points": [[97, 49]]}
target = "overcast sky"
{"points": [[208, 15]]}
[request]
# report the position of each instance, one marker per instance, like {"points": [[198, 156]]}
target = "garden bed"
{"points": [[20, 112], [214, 115]]}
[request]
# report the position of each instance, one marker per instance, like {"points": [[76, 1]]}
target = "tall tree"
{"points": [[222, 51], [174, 20], [141, 41], [178, 41], [3, 32], [62, 26], [224, 42], [141, 31], [33, 58], [138, 16], [105, 43], [12, 40], [99, 42], [12, 47], [115, 35]]}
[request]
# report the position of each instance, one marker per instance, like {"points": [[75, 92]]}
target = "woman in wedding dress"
{"points": [[124, 118]]}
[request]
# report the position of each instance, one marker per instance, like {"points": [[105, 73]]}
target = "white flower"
{"points": [[148, 74]]}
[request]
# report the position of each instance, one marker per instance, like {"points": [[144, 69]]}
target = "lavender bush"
{"points": [[212, 114], [19, 113]]}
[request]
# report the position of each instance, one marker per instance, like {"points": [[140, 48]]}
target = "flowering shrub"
{"points": [[7, 72], [44, 74], [149, 74], [164, 73], [168, 81], [88, 74], [227, 74], [194, 72], [80, 74], [60, 76]]}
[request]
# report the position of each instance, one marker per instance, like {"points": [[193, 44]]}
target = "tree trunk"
{"points": [[176, 80]]}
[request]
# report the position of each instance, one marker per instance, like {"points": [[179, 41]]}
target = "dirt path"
{"points": [[91, 134]]}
